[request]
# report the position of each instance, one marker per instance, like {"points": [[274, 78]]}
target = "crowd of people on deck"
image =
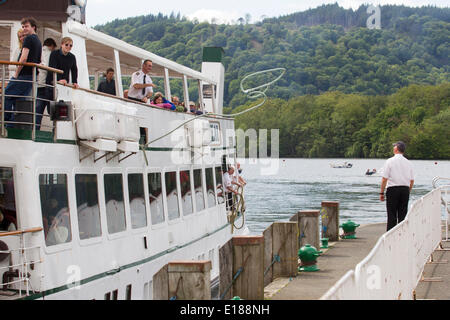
{"points": [[31, 50]]}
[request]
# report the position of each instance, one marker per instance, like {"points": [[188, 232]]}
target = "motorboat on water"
{"points": [[343, 165]]}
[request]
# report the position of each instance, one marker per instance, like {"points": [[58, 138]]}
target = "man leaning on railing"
{"points": [[21, 84]]}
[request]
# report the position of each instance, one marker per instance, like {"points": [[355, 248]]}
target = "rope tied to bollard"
{"points": [[276, 258], [176, 290], [237, 274]]}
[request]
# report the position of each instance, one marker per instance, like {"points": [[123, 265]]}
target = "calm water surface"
{"points": [[276, 192]]}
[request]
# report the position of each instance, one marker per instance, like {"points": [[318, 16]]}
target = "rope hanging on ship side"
{"points": [[237, 208]]}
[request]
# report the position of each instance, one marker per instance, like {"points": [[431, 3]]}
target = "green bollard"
{"points": [[349, 229], [324, 243], [308, 256]]}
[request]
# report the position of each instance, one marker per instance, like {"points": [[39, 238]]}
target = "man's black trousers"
{"points": [[396, 204]]}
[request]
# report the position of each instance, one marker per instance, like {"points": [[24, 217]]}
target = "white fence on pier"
{"points": [[394, 267]]}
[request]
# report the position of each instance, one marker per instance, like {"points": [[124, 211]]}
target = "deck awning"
{"points": [[100, 53]]}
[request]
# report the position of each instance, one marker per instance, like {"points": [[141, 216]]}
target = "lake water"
{"points": [[276, 191]]}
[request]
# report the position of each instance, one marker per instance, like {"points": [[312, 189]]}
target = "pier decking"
{"points": [[345, 255], [333, 264], [436, 276]]}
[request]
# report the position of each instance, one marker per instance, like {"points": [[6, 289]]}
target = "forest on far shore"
{"points": [[348, 91], [338, 125]]}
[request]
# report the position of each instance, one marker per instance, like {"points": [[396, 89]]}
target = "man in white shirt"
{"points": [[398, 177], [237, 176], [228, 184], [141, 88]]}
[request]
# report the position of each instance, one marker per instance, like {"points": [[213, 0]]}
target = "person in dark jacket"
{"points": [[108, 85], [64, 60], [20, 85]]}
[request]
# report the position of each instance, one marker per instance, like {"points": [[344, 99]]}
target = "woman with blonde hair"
{"points": [[18, 51]]}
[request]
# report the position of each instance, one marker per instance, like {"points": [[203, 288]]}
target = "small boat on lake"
{"points": [[344, 165]]}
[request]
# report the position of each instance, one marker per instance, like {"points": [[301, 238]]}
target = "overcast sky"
{"points": [[102, 11]]}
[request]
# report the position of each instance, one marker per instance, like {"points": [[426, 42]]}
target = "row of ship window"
{"points": [[183, 192]]}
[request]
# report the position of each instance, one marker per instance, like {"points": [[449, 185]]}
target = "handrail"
{"points": [[20, 232], [30, 64], [23, 275], [390, 260], [33, 95]]}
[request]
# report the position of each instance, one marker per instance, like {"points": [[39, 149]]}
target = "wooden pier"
{"points": [[265, 267]]}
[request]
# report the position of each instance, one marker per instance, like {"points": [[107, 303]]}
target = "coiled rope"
{"points": [[252, 93], [237, 208]]}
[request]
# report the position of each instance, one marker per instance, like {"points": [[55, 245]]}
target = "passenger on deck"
{"points": [[6, 222], [160, 101], [141, 88], [125, 94], [108, 85], [64, 60], [237, 176], [48, 47], [31, 52], [228, 184], [178, 105], [194, 108], [176, 101], [18, 51]]}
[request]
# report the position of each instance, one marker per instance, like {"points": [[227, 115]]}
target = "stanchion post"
{"points": [[248, 272], [285, 245], [183, 280], [330, 220], [308, 228]]}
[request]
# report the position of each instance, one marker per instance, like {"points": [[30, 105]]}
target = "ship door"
{"points": [[8, 215]]}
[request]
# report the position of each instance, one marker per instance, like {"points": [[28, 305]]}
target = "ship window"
{"points": [[87, 206], [8, 217], [215, 132], [55, 208], [210, 195], [115, 210], [108, 296], [172, 195], [115, 294], [219, 186], [186, 192], [128, 292], [137, 200], [144, 135], [155, 194], [198, 187]]}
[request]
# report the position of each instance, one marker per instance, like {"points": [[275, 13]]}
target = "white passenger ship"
{"points": [[109, 190]]}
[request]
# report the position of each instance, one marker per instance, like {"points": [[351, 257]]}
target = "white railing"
{"points": [[444, 184], [394, 267], [26, 259]]}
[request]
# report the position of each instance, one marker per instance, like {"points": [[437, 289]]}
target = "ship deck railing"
{"points": [[19, 269], [33, 97]]}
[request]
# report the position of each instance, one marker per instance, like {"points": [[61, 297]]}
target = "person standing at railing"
{"points": [[398, 177], [41, 103], [21, 84], [64, 60], [18, 51], [141, 88], [229, 189], [108, 85]]}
